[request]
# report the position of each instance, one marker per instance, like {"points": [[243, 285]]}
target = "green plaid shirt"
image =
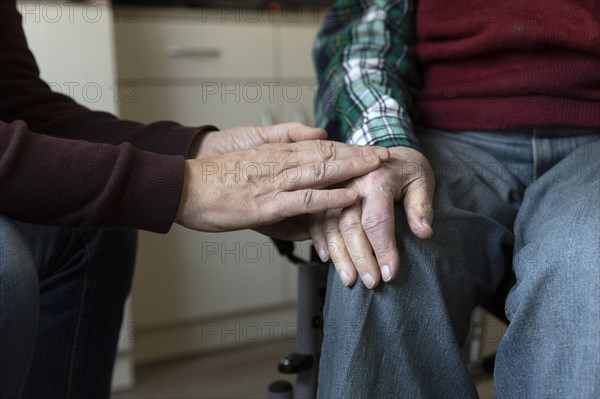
{"points": [[367, 72]]}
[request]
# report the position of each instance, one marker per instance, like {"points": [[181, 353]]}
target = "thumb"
{"points": [[418, 205], [291, 132]]}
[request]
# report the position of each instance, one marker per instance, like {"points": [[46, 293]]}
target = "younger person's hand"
{"points": [[266, 184]]}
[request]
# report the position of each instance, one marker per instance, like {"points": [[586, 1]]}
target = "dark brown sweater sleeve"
{"points": [[81, 168], [50, 180]]}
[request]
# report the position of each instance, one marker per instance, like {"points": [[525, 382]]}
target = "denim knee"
{"points": [[114, 251], [19, 308], [19, 288]]}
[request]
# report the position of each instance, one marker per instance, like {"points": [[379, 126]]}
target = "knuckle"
{"points": [[381, 188], [374, 223], [327, 150], [320, 170], [337, 259], [334, 247], [377, 183], [360, 260], [330, 228], [422, 207], [307, 198], [331, 222], [349, 225]]}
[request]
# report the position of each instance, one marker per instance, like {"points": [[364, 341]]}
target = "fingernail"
{"points": [[382, 153], [386, 273], [368, 280], [371, 159], [323, 255], [345, 277]]}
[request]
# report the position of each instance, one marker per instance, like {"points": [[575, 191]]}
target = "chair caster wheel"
{"points": [[281, 390]]}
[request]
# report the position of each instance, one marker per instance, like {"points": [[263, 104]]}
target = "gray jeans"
{"points": [[527, 199]]}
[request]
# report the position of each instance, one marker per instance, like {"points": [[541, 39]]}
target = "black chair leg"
{"points": [[304, 362]]}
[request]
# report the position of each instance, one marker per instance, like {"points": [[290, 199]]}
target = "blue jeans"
{"points": [[527, 199], [61, 305]]}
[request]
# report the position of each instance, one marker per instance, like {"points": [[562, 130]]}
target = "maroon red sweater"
{"points": [[65, 165], [497, 64]]}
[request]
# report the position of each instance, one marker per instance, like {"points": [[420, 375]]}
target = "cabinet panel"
{"points": [[298, 104], [225, 104], [190, 276], [184, 68], [172, 48], [59, 34], [297, 43], [298, 72]]}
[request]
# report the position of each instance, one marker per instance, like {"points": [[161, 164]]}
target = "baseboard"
{"points": [[205, 336], [123, 374]]}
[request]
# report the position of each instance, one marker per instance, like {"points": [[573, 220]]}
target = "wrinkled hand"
{"points": [[244, 138], [361, 239], [271, 182]]}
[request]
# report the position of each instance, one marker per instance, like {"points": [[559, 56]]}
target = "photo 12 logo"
{"points": [[54, 12], [94, 92]]}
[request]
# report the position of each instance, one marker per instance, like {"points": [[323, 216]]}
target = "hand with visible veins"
{"points": [[279, 172], [360, 239]]}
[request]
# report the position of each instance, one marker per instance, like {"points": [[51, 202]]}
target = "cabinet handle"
{"points": [[266, 119], [200, 52]]}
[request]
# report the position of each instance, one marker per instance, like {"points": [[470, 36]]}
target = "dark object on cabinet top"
{"points": [[234, 4]]}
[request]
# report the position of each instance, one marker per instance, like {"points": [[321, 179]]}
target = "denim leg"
{"points": [[19, 309], [84, 279], [402, 339], [552, 346]]}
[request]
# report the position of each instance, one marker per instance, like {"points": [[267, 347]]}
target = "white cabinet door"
{"points": [[224, 103], [176, 65], [187, 276], [296, 48], [298, 75], [196, 73], [177, 48], [74, 48], [300, 107]]}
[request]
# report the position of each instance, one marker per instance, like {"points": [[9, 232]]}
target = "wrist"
{"points": [[185, 193], [203, 145]]}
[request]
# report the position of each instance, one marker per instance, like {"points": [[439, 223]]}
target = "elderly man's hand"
{"points": [[237, 181], [360, 239]]}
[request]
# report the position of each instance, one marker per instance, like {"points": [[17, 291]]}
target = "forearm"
{"points": [[49, 180], [366, 72]]}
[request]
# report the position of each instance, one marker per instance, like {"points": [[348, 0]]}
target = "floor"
{"points": [[240, 374]]}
